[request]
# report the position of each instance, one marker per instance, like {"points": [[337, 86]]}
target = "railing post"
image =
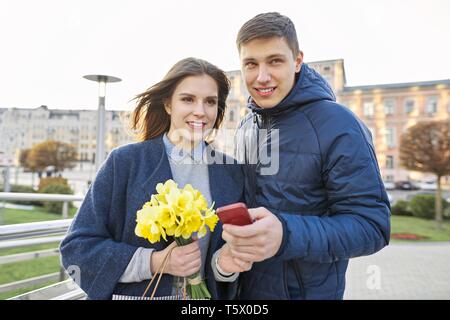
{"points": [[2, 205], [65, 210]]}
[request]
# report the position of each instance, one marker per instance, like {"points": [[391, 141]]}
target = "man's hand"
{"points": [[228, 263], [255, 242]]}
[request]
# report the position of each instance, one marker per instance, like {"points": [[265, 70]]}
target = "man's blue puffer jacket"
{"points": [[326, 190]]}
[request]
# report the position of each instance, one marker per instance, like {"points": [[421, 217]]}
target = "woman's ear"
{"points": [[167, 108]]}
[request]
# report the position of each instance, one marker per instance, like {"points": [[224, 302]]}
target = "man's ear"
{"points": [[298, 61]]}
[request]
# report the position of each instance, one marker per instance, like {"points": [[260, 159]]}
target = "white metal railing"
{"points": [[25, 230], [27, 234], [64, 290], [65, 198], [12, 236]]}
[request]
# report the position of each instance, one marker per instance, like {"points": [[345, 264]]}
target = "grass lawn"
{"points": [[13, 216], [421, 227], [27, 269]]}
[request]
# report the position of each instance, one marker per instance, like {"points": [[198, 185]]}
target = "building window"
{"points": [[389, 106], [431, 106], [368, 109], [389, 162], [326, 69], [389, 178], [390, 137], [409, 106]]}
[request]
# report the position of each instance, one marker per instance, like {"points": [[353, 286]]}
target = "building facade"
{"points": [[23, 128]]}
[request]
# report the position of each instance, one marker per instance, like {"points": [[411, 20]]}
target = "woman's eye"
{"points": [[211, 102], [187, 99]]}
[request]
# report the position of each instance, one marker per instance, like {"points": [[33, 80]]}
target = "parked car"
{"points": [[428, 185], [389, 185], [406, 185]]}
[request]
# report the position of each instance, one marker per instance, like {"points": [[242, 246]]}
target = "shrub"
{"points": [[53, 206], [401, 208], [447, 212], [22, 188], [43, 182], [423, 206]]}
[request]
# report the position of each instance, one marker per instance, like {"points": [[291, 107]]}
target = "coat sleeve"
{"points": [[89, 246], [358, 219]]}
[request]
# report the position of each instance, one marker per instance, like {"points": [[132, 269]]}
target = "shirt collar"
{"points": [[180, 155]]}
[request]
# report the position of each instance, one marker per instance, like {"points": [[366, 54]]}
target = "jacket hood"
{"points": [[310, 87]]}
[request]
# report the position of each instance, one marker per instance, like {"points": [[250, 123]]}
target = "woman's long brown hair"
{"points": [[150, 119]]}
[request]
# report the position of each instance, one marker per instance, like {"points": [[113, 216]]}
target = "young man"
{"points": [[326, 202]]}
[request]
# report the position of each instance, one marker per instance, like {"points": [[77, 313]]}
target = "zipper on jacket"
{"points": [[285, 276]]}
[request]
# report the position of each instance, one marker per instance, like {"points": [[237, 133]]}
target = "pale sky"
{"points": [[46, 46]]}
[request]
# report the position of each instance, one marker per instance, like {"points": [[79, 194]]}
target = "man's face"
{"points": [[269, 68]]}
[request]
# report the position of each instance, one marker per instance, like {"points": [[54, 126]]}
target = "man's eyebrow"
{"points": [[276, 55], [272, 56]]}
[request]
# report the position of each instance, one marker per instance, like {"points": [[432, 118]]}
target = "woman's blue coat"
{"points": [[101, 240]]}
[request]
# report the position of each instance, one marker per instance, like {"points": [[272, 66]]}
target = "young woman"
{"points": [[173, 118]]}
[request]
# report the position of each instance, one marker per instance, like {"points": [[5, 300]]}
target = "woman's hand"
{"points": [[229, 264], [183, 261]]}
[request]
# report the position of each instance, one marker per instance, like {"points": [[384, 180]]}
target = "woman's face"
{"points": [[193, 110]]}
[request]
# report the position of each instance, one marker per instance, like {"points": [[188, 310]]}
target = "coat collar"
{"points": [[161, 171]]}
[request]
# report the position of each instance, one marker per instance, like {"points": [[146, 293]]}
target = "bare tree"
{"points": [[425, 147]]}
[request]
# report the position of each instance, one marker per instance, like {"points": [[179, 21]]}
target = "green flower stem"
{"points": [[195, 291]]}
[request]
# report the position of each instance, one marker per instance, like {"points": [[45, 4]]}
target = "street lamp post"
{"points": [[100, 148]]}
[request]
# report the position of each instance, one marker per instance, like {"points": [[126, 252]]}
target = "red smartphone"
{"points": [[235, 213]]}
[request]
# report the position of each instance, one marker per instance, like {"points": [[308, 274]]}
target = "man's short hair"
{"points": [[268, 25]]}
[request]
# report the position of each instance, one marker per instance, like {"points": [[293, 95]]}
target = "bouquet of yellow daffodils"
{"points": [[179, 213]]}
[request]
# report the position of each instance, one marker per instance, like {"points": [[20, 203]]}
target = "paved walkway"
{"points": [[401, 271]]}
